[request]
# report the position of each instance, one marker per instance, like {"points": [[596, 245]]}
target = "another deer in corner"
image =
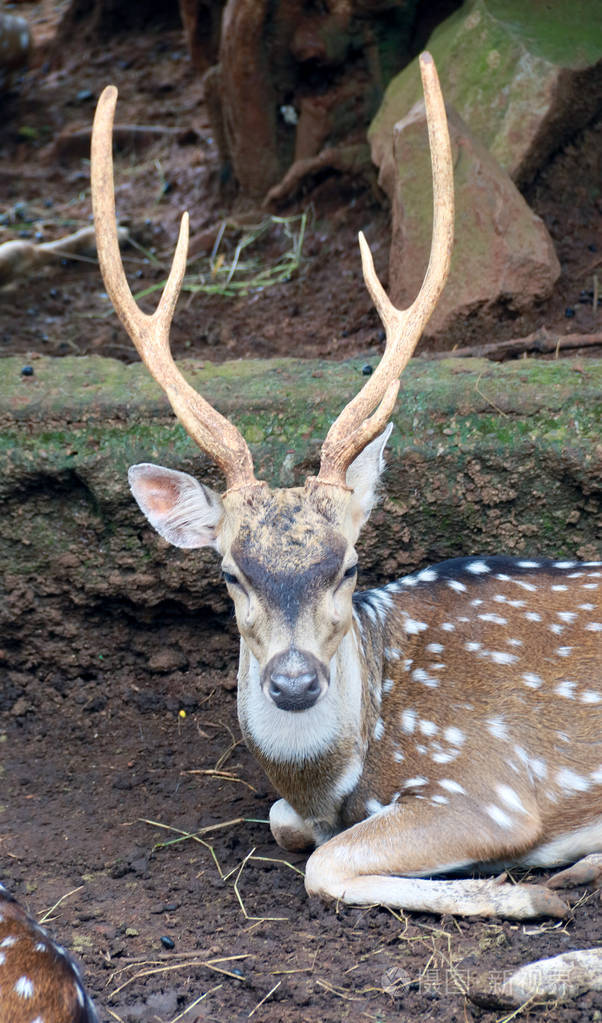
{"points": [[449, 721], [39, 981]]}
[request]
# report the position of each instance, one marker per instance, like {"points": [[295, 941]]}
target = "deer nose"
{"points": [[294, 692]]}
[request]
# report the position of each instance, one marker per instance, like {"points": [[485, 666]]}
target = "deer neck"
{"points": [[315, 759]]}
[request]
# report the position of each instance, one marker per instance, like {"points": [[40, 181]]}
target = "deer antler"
{"points": [[356, 426], [211, 431]]}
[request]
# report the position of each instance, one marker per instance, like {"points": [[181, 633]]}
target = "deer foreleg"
{"points": [[362, 866], [289, 829]]}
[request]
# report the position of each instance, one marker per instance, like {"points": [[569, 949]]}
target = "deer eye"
{"points": [[350, 572], [230, 579]]}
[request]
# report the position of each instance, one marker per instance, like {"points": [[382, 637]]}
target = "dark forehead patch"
{"points": [[288, 552]]}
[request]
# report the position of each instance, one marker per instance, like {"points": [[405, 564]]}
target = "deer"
{"points": [[449, 722], [40, 982]]}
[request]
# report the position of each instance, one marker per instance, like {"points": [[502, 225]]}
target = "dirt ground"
{"points": [[129, 803]]}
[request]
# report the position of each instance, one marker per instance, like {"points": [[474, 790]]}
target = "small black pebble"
{"points": [[593, 247], [367, 370], [167, 942], [569, 312], [27, 371]]}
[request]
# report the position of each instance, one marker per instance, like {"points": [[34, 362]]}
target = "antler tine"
{"points": [[353, 430], [217, 437]]}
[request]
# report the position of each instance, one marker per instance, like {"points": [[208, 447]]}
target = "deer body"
{"points": [[449, 720], [39, 980]]}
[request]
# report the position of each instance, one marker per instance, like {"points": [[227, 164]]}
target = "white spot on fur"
{"points": [[427, 575], [442, 800], [589, 696], [566, 688], [415, 783], [563, 651], [532, 616], [472, 646], [478, 567], [500, 656], [435, 648], [454, 584], [379, 729], [495, 619], [498, 728], [454, 735], [594, 626], [9, 941], [408, 721], [24, 987], [413, 627], [566, 616], [499, 816], [392, 653], [428, 727], [452, 786], [388, 685], [532, 680], [448, 627], [570, 781], [510, 798]]}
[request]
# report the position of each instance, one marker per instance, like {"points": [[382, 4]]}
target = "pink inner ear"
{"points": [[159, 493]]}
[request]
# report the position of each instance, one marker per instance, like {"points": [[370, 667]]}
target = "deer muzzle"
{"points": [[294, 680]]}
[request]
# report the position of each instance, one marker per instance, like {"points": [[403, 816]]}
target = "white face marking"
{"points": [[499, 816], [24, 987]]}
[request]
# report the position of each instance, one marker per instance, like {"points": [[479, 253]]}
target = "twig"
{"points": [[265, 998], [540, 341]]}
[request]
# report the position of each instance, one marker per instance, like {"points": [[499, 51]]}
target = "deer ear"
{"points": [[183, 511], [363, 475]]}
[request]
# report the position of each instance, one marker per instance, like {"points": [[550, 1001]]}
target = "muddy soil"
{"points": [[129, 803]]}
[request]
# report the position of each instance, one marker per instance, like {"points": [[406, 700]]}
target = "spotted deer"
{"points": [[39, 980], [448, 722]]}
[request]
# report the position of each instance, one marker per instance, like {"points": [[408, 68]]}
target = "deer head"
{"points": [[288, 556]]}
